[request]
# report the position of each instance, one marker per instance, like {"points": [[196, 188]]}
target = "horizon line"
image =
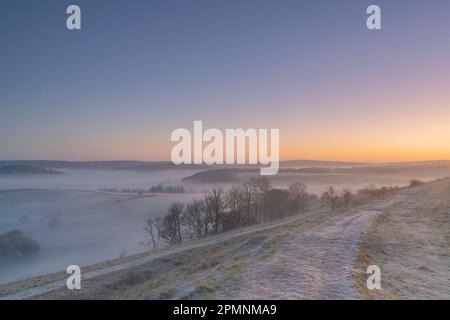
{"points": [[169, 161]]}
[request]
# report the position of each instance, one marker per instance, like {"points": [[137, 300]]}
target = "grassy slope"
{"points": [[410, 243]]}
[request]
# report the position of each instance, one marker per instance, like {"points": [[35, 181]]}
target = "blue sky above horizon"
{"points": [[139, 69]]}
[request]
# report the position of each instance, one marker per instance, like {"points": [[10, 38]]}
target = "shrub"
{"points": [[415, 183], [231, 221], [15, 243], [372, 192], [278, 203], [332, 199]]}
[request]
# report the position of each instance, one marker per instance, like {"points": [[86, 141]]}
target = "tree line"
{"points": [[246, 203]]}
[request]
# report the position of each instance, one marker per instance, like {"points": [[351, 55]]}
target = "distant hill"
{"points": [[17, 169], [234, 174], [320, 163], [159, 165], [163, 165], [56, 164], [98, 165]]}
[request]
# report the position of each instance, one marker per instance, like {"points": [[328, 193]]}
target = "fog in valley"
{"points": [[75, 223]]}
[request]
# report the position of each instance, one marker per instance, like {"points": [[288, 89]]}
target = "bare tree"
{"points": [[244, 201], [298, 192], [260, 187], [153, 230], [248, 198], [347, 198], [171, 224], [263, 184], [195, 218], [331, 198], [234, 201], [216, 204], [327, 197]]}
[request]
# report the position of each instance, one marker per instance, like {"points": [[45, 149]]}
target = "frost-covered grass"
{"points": [[410, 243]]}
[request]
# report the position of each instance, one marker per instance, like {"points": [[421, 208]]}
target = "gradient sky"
{"points": [[139, 69]]}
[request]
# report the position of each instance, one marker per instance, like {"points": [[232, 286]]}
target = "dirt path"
{"points": [[315, 264]]}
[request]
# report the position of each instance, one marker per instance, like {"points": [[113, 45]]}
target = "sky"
{"points": [[137, 70]]}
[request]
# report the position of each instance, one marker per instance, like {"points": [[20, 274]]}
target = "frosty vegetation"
{"points": [[247, 203]]}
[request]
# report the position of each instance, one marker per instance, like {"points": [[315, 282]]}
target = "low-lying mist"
{"points": [[73, 223]]}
